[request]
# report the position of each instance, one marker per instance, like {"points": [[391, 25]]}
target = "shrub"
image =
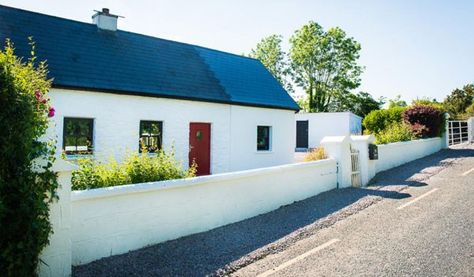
{"points": [[378, 120], [136, 168], [425, 101], [316, 154], [27, 183], [394, 133], [426, 121]]}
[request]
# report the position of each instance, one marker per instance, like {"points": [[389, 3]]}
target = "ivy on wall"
{"points": [[27, 182]]}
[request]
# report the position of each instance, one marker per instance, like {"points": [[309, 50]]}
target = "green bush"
{"points": [[394, 133], [136, 168], [379, 120], [27, 183]]}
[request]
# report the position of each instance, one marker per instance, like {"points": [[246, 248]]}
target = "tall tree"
{"points": [[270, 53], [360, 104], [324, 64], [459, 100]]}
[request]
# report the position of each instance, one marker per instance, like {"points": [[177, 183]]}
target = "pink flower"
{"points": [[51, 112], [43, 101], [38, 94]]}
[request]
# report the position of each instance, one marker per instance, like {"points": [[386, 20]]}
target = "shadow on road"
{"points": [[204, 253]]}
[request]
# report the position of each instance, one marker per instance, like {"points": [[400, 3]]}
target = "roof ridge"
{"points": [[130, 32]]}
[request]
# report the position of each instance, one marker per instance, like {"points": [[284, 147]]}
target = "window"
{"points": [[263, 138], [78, 136], [150, 135]]}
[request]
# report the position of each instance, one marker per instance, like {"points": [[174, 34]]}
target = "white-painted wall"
{"points": [[56, 256], [233, 128], [244, 122], [115, 220], [92, 224], [321, 125], [398, 153]]}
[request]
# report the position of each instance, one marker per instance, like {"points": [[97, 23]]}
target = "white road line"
{"points": [[416, 199], [467, 172], [297, 259]]}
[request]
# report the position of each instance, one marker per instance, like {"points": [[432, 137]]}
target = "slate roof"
{"points": [[81, 56]]}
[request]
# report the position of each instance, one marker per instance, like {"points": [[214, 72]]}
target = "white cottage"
{"points": [[115, 90]]}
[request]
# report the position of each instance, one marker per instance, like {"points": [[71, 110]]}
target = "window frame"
{"points": [[160, 136], [270, 138], [91, 136]]}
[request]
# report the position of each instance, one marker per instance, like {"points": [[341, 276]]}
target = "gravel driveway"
{"points": [[228, 248]]}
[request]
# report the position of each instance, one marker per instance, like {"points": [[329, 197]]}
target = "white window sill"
{"points": [[264, 152], [73, 157]]}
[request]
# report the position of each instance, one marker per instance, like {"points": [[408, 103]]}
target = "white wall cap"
{"points": [[366, 138], [61, 165], [195, 181], [335, 139]]}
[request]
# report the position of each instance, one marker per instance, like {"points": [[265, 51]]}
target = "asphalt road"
{"points": [[428, 233]]}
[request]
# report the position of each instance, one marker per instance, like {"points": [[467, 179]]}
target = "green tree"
{"points": [[470, 110], [360, 104], [396, 102], [459, 100], [324, 64], [270, 53]]}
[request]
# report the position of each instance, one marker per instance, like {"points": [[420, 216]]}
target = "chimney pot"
{"points": [[104, 20]]}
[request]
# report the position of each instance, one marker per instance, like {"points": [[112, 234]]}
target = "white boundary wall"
{"points": [[115, 220], [398, 153], [97, 223]]}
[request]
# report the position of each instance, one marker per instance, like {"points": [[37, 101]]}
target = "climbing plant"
{"points": [[27, 182]]}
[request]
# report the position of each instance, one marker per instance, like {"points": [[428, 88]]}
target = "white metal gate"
{"points": [[355, 168], [458, 132]]}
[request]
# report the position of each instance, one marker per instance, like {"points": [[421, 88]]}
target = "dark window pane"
{"points": [[77, 135], [150, 136], [263, 137]]}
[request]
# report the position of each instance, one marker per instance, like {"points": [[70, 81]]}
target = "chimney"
{"points": [[104, 20]]}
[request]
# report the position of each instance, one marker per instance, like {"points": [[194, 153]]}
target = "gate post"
{"points": [[56, 256], [470, 129], [367, 167], [339, 148], [445, 137]]}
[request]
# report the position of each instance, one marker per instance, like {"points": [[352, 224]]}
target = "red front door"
{"points": [[200, 147]]}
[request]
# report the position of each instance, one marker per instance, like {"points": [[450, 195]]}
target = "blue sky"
{"points": [[413, 48]]}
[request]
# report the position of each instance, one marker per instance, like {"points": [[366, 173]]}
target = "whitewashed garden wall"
{"points": [[97, 223]]}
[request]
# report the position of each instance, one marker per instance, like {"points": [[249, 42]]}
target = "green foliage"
{"points": [[397, 131], [379, 120], [27, 183], [136, 168], [425, 101], [360, 104], [470, 110], [324, 64], [270, 53], [396, 102], [459, 100]]}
